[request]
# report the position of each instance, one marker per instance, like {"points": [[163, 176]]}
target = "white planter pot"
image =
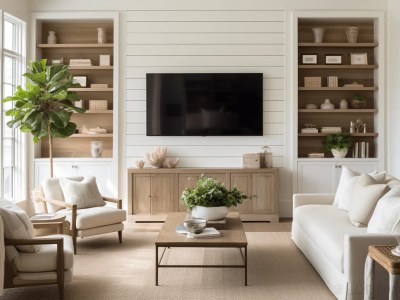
{"points": [[339, 153], [209, 213]]}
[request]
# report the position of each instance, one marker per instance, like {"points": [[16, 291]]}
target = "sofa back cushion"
{"points": [[52, 190], [17, 225], [84, 194], [348, 179], [364, 197], [386, 216]]}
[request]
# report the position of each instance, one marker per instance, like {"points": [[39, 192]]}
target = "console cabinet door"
{"points": [[141, 193], [264, 189], [163, 193], [243, 182]]}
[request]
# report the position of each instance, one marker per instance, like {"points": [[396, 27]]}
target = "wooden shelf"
{"points": [[363, 88], [91, 68], [87, 135], [372, 134], [90, 89], [338, 66], [346, 111], [75, 45], [340, 45]]}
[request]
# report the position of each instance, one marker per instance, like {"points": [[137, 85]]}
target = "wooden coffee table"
{"points": [[231, 237]]}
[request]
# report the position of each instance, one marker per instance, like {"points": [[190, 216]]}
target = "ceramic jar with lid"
{"points": [[327, 104]]}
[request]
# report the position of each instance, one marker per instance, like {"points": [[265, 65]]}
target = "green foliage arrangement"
{"points": [[338, 141], [45, 106], [211, 193]]}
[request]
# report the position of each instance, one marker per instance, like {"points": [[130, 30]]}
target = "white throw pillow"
{"points": [[386, 216], [347, 181], [52, 190], [364, 198], [17, 225], [84, 194]]}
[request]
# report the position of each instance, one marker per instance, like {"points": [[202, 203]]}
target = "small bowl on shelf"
{"points": [[358, 103], [195, 225]]}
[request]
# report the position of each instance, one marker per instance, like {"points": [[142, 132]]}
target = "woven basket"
{"points": [[312, 81], [97, 104]]}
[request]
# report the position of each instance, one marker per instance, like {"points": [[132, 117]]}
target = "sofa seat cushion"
{"points": [[326, 226], [45, 259], [96, 216]]}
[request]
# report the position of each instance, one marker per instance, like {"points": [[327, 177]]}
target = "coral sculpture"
{"points": [[171, 162], [157, 157]]}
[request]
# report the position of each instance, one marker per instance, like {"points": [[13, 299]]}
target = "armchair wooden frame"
{"points": [[60, 261], [74, 212]]}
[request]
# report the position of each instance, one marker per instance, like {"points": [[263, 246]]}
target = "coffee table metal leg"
{"points": [[156, 265]]}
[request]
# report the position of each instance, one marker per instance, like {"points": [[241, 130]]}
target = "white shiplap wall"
{"points": [[205, 41]]}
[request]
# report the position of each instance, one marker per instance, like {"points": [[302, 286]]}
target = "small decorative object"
{"points": [[359, 126], [333, 59], [195, 225], [309, 59], [352, 127], [332, 81], [318, 34], [58, 61], [99, 85], [338, 143], [139, 163], [251, 160], [101, 36], [353, 84], [351, 34], [331, 129], [51, 38], [327, 104], [312, 81], [80, 62], [97, 130], [210, 199], [97, 104], [96, 148], [358, 101], [311, 106], [358, 58], [171, 162], [157, 157], [343, 104], [105, 60], [365, 128], [81, 80], [267, 157]]}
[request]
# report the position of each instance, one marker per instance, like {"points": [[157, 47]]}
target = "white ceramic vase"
{"points": [[209, 213], [96, 148], [351, 34], [318, 34], [101, 36], [339, 153], [51, 38]]}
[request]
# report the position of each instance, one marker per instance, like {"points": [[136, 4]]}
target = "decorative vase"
{"points": [[96, 148], [343, 104], [101, 36], [339, 153], [209, 213], [352, 33], [51, 38], [327, 104], [318, 34]]}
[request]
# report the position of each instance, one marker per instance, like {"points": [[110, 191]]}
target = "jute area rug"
{"points": [[107, 270]]}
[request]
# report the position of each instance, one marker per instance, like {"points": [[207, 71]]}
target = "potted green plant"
{"points": [[338, 143], [45, 106], [358, 101], [210, 199]]}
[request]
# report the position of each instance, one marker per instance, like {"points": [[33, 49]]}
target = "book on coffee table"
{"points": [[208, 232]]}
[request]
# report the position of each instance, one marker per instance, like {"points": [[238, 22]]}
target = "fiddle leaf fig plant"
{"points": [[45, 106]]}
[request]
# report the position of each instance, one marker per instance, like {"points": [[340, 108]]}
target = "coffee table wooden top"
{"points": [[232, 236]]}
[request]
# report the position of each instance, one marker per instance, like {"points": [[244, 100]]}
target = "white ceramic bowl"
{"points": [[195, 225]]}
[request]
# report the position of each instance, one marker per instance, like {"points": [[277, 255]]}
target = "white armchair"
{"points": [[30, 260], [80, 200]]}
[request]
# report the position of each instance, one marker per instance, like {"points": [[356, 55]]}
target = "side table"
{"points": [[383, 256], [49, 221]]}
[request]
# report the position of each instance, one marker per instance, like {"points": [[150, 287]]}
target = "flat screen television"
{"points": [[204, 104]]}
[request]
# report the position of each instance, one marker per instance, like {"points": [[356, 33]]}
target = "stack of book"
{"points": [[309, 130], [331, 129], [80, 62], [316, 155], [208, 232]]}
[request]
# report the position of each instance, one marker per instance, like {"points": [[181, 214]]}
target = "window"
{"points": [[13, 148]]}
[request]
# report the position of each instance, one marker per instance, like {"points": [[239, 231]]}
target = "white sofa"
{"points": [[335, 246]]}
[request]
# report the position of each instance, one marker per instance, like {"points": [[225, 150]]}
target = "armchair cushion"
{"points": [[84, 193], [97, 217], [17, 224], [52, 190], [45, 259]]}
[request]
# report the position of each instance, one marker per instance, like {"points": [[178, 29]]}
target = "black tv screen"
{"points": [[204, 104]]}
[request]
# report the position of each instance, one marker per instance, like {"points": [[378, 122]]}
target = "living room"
{"points": [[212, 37]]}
